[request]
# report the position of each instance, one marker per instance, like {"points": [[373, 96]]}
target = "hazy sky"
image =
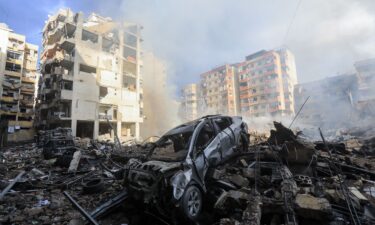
{"points": [[194, 36]]}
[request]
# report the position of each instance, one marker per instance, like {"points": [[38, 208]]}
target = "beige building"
{"points": [[18, 78], [218, 91], [90, 74], [266, 83], [189, 102]]}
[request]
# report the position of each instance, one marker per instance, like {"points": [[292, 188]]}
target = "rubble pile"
{"points": [[282, 178]]}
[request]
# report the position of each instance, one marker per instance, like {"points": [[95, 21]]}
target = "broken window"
{"points": [[130, 54], [222, 123], [13, 67], [103, 91], [67, 85], [130, 39], [129, 82], [87, 69], [205, 136], [89, 36], [13, 55]]}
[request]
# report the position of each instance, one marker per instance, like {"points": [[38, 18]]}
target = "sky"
{"points": [[194, 36]]}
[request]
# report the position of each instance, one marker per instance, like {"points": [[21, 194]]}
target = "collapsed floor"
{"points": [[282, 179]]}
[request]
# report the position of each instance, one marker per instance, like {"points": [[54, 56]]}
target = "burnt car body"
{"points": [[178, 162]]}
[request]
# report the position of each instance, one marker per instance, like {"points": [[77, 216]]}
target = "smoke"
{"points": [[194, 36], [160, 108]]}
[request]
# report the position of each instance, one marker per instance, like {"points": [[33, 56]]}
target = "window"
{"points": [[205, 136], [129, 82], [89, 36], [222, 123], [103, 91], [67, 85], [130, 39], [130, 54], [13, 55]]}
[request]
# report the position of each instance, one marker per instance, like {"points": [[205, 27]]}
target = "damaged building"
{"points": [[339, 101], [90, 76], [18, 79]]}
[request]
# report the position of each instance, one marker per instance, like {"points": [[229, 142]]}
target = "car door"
{"points": [[226, 136], [206, 149]]}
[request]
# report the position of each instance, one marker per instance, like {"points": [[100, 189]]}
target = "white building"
{"points": [[91, 73]]}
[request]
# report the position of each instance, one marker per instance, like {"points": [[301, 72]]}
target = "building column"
{"points": [[96, 129], [137, 130], [74, 127], [119, 129]]}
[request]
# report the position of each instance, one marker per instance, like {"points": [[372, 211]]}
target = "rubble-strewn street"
{"points": [[282, 179]]}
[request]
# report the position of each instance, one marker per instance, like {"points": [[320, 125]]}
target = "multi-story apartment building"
{"points": [[189, 102], [218, 88], [90, 75], [18, 78], [266, 82]]}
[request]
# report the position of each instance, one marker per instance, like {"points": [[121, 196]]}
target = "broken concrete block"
{"points": [[239, 180], [308, 206], [362, 199], [248, 173], [75, 161]]}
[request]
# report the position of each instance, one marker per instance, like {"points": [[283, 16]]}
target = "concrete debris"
{"points": [[311, 207], [283, 179]]}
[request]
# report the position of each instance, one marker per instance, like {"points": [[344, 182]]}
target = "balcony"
{"points": [[67, 43], [28, 80], [15, 47], [25, 124], [15, 61], [29, 90], [67, 61], [27, 103], [8, 99], [13, 73]]}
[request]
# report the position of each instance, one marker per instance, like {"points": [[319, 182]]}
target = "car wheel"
{"points": [[192, 202]]}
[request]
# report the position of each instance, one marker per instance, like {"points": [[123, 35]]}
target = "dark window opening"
{"points": [[89, 36], [85, 129], [222, 123], [130, 39], [13, 67], [103, 91], [67, 85], [87, 69]]}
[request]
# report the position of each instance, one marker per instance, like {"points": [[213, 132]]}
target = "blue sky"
{"points": [[193, 36]]}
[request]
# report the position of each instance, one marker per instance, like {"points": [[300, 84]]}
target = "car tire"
{"points": [[92, 186], [192, 203]]}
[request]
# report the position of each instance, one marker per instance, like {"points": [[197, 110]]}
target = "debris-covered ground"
{"points": [[281, 178]]}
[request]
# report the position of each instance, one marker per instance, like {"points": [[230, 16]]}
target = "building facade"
{"points": [[90, 76], [18, 78], [218, 91], [266, 83], [189, 102]]}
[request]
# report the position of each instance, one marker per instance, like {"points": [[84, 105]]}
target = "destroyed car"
{"points": [[178, 162]]}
